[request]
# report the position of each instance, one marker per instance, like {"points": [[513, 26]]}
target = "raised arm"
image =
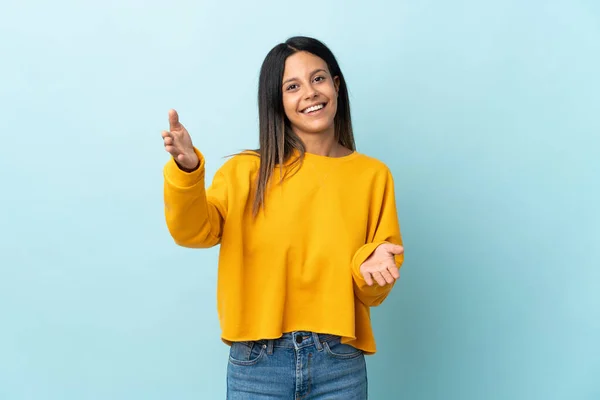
{"points": [[194, 216]]}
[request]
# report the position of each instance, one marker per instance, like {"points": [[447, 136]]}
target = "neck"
{"points": [[322, 144]]}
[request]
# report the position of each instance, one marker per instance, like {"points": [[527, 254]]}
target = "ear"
{"points": [[336, 82]]}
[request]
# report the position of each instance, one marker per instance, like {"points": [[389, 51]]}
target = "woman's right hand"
{"points": [[178, 143]]}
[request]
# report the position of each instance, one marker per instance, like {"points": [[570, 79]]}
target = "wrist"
{"points": [[188, 169]]}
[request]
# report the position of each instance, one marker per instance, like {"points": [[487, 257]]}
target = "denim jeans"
{"points": [[299, 365]]}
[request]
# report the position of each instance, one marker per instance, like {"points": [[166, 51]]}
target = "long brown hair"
{"points": [[277, 140]]}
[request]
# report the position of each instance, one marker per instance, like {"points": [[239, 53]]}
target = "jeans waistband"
{"points": [[298, 340]]}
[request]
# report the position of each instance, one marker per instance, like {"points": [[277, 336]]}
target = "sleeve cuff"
{"points": [[361, 256], [182, 179]]}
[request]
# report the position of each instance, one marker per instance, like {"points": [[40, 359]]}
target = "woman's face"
{"points": [[309, 94]]}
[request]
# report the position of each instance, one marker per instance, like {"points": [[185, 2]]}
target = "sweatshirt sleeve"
{"points": [[195, 216], [383, 227]]}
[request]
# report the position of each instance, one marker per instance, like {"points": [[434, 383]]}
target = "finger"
{"points": [[394, 271], [174, 120], [379, 278], [396, 249], [387, 276], [166, 134], [168, 141], [172, 150], [368, 278]]}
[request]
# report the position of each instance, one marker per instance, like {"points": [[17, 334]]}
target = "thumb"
{"points": [[173, 120], [395, 249]]}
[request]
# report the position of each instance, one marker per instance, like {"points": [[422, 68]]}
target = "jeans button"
{"points": [[298, 339]]}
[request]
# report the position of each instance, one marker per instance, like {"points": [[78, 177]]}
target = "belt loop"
{"points": [[270, 346], [317, 341]]}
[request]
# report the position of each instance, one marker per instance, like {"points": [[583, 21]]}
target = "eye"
{"points": [[291, 87], [320, 78]]}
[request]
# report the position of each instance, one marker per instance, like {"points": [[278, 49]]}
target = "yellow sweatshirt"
{"points": [[295, 266]]}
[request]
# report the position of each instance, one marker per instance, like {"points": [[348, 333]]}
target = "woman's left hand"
{"points": [[381, 265]]}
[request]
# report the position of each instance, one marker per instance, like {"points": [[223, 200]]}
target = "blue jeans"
{"points": [[299, 365]]}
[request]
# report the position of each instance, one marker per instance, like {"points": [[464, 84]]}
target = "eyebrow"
{"points": [[311, 74]]}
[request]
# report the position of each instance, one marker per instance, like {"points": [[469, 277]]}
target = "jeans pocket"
{"points": [[342, 351], [246, 353]]}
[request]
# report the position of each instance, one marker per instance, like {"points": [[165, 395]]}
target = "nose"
{"points": [[311, 93]]}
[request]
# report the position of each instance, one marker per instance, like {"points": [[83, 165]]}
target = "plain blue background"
{"points": [[487, 113]]}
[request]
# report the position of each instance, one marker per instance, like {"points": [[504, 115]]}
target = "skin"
{"points": [[178, 143], [306, 82], [380, 268]]}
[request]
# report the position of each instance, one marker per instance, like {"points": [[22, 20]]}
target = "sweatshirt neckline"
{"points": [[329, 159]]}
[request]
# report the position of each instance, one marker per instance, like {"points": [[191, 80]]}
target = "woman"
{"points": [[308, 230]]}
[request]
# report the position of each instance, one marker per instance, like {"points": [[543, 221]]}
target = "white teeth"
{"points": [[313, 108]]}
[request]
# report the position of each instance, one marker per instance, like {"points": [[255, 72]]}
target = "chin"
{"points": [[316, 128], [320, 125]]}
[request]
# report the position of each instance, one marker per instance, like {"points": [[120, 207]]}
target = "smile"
{"points": [[314, 109]]}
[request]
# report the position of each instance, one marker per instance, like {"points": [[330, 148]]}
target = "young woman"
{"points": [[308, 230]]}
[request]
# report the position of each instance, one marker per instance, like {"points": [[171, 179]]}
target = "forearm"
{"points": [[191, 219]]}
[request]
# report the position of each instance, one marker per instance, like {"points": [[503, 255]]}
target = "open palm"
{"points": [[381, 265]]}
